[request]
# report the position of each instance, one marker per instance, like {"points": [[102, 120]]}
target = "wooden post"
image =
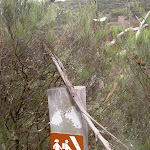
{"points": [[65, 117]]}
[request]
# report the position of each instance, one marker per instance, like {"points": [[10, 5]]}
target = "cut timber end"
{"points": [[65, 117]]}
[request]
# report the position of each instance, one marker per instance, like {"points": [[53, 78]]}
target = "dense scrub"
{"points": [[26, 72]]}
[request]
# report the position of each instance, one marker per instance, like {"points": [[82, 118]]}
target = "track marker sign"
{"points": [[66, 142]]}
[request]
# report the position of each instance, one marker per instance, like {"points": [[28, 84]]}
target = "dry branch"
{"points": [[120, 34], [78, 101], [126, 30], [141, 25], [111, 92], [138, 18], [138, 29]]}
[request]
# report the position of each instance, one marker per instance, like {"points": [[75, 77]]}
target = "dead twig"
{"points": [[126, 30], [141, 25], [111, 92], [78, 101]]}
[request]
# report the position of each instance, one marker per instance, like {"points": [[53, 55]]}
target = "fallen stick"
{"points": [[141, 25], [120, 34], [138, 18], [111, 92], [78, 101], [126, 30]]}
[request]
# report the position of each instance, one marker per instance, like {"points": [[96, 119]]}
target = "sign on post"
{"points": [[66, 141], [69, 130]]}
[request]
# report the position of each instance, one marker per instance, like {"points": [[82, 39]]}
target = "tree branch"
{"points": [[78, 101], [126, 30], [141, 25]]}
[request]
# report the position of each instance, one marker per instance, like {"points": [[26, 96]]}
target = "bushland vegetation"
{"points": [[26, 70]]}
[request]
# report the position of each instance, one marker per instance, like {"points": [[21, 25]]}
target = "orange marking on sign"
{"points": [[66, 141]]}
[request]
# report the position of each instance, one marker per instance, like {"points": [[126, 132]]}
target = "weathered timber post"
{"points": [[68, 127]]}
